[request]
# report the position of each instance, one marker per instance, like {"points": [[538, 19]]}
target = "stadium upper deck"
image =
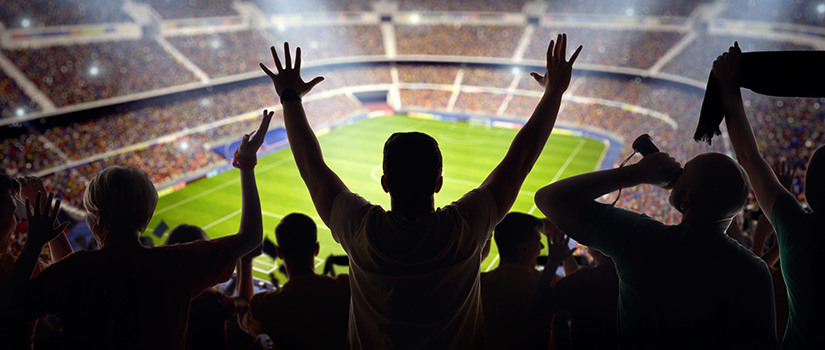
{"points": [[77, 55]]}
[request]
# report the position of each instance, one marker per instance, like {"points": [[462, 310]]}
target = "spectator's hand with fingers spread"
{"points": [[42, 217], [288, 77], [558, 71]]}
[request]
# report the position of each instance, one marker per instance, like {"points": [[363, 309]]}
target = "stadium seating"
{"points": [[14, 100], [476, 40], [192, 8], [73, 74], [47, 13]]}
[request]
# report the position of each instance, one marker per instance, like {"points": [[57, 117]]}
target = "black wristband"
{"points": [[289, 95]]}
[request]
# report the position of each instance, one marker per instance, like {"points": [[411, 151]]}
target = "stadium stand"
{"points": [[477, 40], [427, 74], [287, 7], [14, 101], [625, 7], [46, 13], [800, 12], [461, 6], [74, 74], [332, 41], [609, 46], [225, 54], [429, 100], [192, 8], [693, 61]]}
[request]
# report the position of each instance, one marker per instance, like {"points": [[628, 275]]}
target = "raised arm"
{"points": [[43, 227], [564, 201], [765, 185], [506, 179], [323, 184], [29, 187], [251, 228]]}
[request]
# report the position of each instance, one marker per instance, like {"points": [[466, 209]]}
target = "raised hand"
{"points": [[726, 68], [289, 77], [557, 242], [557, 75], [249, 147], [42, 216]]}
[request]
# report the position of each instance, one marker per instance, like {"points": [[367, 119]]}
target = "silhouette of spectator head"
{"points": [[712, 187], [814, 185], [518, 238], [120, 201], [184, 233], [9, 189], [297, 240], [412, 167]]}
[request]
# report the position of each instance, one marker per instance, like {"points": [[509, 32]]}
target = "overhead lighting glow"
{"points": [[629, 12], [415, 18], [94, 71], [20, 112], [515, 70], [25, 23]]}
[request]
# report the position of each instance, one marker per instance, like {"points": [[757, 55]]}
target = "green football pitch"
{"points": [[354, 152]]}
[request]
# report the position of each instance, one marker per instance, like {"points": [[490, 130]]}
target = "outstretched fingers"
{"points": [[277, 59], [575, 54], [298, 59], [287, 56]]}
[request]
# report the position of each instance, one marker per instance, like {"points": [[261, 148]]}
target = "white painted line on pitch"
{"points": [[217, 188], [490, 267], [561, 170], [227, 217]]}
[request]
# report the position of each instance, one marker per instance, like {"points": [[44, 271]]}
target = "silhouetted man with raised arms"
{"points": [[414, 270]]}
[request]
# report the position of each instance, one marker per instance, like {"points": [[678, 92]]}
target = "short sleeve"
{"points": [[788, 218], [346, 216], [614, 231], [207, 262], [478, 208]]}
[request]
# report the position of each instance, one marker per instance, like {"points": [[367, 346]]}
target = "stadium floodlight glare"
{"points": [[184, 145], [20, 112], [215, 43], [515, 70], [629, 12], [415, 18], [205, 102], [820, 8], [94, 71], [281, 27], [25, 23]]}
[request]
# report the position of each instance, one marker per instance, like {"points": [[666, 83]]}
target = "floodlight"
{"points": [[515, 70], [20, 112], [820, 8], [94, 71], [415, 18], [25, 23]]}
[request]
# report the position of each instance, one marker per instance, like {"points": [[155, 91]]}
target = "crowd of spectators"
{"points": [[461, 6], [490, 77], [425, 99], [225, 53], [14, 101], [73, 74], [358, 75], [804, 12], [47, 13], [427, 74], [484, 103], [26, 153], [476, 40], [633, 48], [142, 121], [285, 6], [324, 41], [694, 61], [788, 129], [625, 7], [192, 8]]}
